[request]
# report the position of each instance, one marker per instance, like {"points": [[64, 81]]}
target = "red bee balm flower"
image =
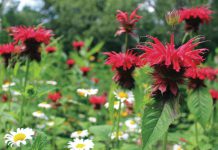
{"points": [[50, 49], [124, 64], [198, 75], [32, 38], [194, 16], [127, 23], [7, 50], [78, 44], [85, 70], [214, 94], [97, 101], [54, 96], [170, 63], [70, 63]]}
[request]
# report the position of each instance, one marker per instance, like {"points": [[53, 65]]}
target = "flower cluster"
{"points": [[214, 94], [127, 22], [198, 75], [77, 45], [50, 49], [170, 63], [194, 17], [31, 38], [124, 64], [97, 101], [79, 142]]}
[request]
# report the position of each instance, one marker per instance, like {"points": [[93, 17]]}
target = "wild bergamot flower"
{"points": [[16, 138], [81, 144]]}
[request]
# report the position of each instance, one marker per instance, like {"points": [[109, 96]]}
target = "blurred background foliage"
{"points": [[73, 19]]}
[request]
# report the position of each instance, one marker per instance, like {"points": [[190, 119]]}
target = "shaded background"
{"points": [[80, 19]]}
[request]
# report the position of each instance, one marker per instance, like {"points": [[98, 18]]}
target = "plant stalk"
{"points": [[22, 112], [165, 141]]}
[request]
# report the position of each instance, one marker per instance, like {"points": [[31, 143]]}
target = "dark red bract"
{"points": [[214, 94], [198, 75], [54, 97], [194, 17], [127, 23], [32, 38], [70, 63], [169, 62], [85, 70], [50, 49], [78, 44], [97, 101], [124, 64]]}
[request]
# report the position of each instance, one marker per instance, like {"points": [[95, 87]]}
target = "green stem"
{"points": [[185, 37], [24, 89], [196, 134], [165, 141], [118, 124], [126, 43]]}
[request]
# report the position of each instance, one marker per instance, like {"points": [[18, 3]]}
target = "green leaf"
{"points": [[156, 121], [101, 132], [200, 104], [94, 50], [40, 142]]}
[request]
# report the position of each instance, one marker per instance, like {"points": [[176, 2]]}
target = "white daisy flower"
{"points": [[177, 147], [92, 119], [80, 133], [50, 123], [40, 126], [6, 85], [86, 92], [44, 105], [121, 135], [81, 144], [15, 93], [51, 82], [16, 138], [131, 124], [39, 114], [125, 96], [116, 105]]}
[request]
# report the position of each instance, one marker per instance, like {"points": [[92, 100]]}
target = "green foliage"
{"points": [[156, 120], [200, 104]]}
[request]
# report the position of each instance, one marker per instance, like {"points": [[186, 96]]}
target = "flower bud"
{"points": [[172, 18]]}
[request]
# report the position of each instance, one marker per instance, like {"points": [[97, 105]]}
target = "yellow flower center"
{"points": [[39, 112], [122, 95], [120, 134], [79, 132], [19, 137], [179, 148], [116, 103], [80, 145], [81, 93], [132, 122], [124, 114]]}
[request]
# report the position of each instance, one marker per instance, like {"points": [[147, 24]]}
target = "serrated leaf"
{"points": [[156, 121], [200, 104]]}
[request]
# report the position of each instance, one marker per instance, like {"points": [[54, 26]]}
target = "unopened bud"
{"points": [[172, 18]]}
